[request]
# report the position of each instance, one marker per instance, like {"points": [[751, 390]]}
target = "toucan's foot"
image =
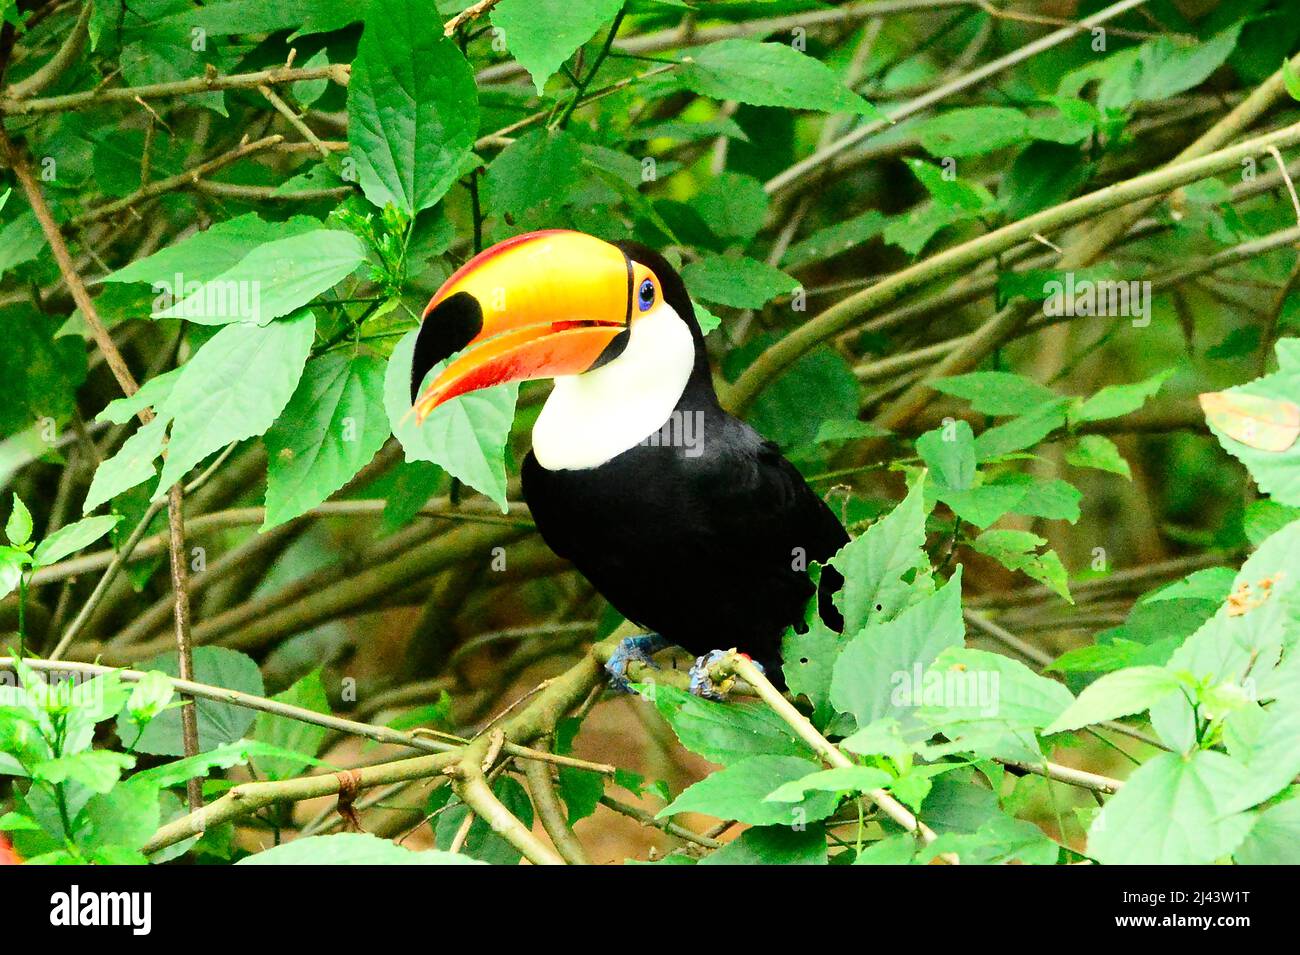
{"points": [[637, 649], [702, 682]]}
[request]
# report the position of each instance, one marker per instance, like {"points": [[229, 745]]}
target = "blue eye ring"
{"points": [[645, 296]]}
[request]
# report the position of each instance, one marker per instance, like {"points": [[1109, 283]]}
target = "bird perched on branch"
{"points": [[688, 521]]}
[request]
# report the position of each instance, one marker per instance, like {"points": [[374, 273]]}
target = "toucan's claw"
{"points": [[638, 649], [702, 682]]}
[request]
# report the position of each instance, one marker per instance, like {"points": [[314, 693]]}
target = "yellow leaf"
{"points": [[1266, 424]]}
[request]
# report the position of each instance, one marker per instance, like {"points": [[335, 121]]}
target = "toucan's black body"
{"points": [[707, 546]]}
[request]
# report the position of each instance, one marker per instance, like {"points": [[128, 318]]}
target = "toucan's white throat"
{"points": [[592, 417]]}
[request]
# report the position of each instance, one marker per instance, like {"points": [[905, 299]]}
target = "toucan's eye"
{"points": [[646, 295]]}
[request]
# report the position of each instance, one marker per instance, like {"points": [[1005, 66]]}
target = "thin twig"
{"points": [[472, 12], [743, 667], [208, 83]]}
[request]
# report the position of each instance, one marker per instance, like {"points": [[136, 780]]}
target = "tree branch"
{"points": [[210, 82]]}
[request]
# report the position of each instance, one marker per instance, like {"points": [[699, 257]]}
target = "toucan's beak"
{"points": [[535, 306]]}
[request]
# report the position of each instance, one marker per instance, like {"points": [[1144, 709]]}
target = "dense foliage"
{"points": [[969, 264]]}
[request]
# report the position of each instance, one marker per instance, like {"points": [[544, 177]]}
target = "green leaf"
{"points": [[1274, 839], [899, 849], [73, 537], [873, 676], [412, 108], [834, 239], [233, 388], [21, 240], [1055, 500], [948, 192], [466, 436], [1173, 810], [124, 817], [219, 723], [704, 318], [1016, 550], [848, 430], [1043, 175], [1289, 79], [809, 660], [41, 371], [542, 34], [994, 689], [997, 392], [881, 737], [1266, 740], [1116, 400], [13, 563], [481, 842], [689, 132], [19, 526], [96, 769], [860, 779], [581, 790], [1239, 644], [1022, 432], [734, 205], [1122, 693], [152, 394], [272, 280], [997, 841], [973, 131], [981, 505], [292, 735], [331, 428], [1165, 67], [1263, 518], [739, 792], [150, 696], [307, 92], [773, 845], [954, 201], [1101, 657], [350, 848], [539, 167], [736, 281], [726, 732], [769, 74], [132, 465], [1212, 583], [119, 155], [820, 385], [15, 822], [222, 757], [1097, 451], [207, 254], [881, 565], [949, 452]]}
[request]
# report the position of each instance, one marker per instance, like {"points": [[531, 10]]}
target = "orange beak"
{"points": [[539, 305]]}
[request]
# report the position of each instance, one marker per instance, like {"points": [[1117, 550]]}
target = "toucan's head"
{"points": [[542, 305]]}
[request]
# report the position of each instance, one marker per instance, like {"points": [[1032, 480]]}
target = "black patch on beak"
{"points": [[619, 342], [446, 330]]}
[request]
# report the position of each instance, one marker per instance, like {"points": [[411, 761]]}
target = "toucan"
{"points": [[681, 515]]}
